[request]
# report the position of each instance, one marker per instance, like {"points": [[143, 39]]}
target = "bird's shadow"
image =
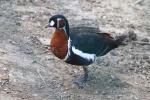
{"points": [[104, 84]]}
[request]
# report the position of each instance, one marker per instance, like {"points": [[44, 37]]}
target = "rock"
{"points": [[145, 40], [4, 77], [131, 26], [132, 35], [18, 24], [131, 68], [114, 53], [2, 52], [13, 42], [140, 2], [148, 61], [145, 56]]}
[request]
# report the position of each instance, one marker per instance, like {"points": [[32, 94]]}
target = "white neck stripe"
{"points": [[68, 53]]}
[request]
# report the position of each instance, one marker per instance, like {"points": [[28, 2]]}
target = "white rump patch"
{"points": [[84, 55], [52, 23]]}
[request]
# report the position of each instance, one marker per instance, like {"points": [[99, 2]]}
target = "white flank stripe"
{"points": [[84, 55]]}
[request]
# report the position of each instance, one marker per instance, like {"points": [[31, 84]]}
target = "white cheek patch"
{"points": [[52, 23], [84, 55]]}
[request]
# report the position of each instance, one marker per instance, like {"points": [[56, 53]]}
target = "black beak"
{"points": [[47, 26]]}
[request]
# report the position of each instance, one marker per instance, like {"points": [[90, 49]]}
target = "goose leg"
{"points": [[81, 82]]}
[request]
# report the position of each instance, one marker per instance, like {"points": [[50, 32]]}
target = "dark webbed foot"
{"points": [[81, 81]]}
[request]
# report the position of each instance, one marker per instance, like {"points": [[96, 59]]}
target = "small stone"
{"points": [[25, 17], [113, 53], [136, 83], [145, 40], [5, 69], [5, 89], [13, 42], [104, 93], [28, 51], [145, 56], [4, 77], [104, 17], [18, 24], [131, 68], [132, 35], [131, 26], [113, 77], [35, 95], [2, 52], [148, 61]]}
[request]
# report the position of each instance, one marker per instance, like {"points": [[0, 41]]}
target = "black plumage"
{"points": [[91, 41]]}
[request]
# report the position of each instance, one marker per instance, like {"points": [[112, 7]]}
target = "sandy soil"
{"points": [[28, 71]]}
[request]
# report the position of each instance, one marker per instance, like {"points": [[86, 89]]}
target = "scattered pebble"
{"points": [[113, 53], [145, 40], [5, 69], [131, 26], [28, 51], [104, 93], [132, 35], [13, 42], [131, 68], [35, 95], [5, 89], [2, 52], [4, 77], [18, 24], [145, 56]]}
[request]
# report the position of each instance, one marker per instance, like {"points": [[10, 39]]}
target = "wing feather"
{"points": [[91, 40]]}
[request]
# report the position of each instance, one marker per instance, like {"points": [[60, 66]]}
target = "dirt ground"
{"points": [[28, 71]]}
